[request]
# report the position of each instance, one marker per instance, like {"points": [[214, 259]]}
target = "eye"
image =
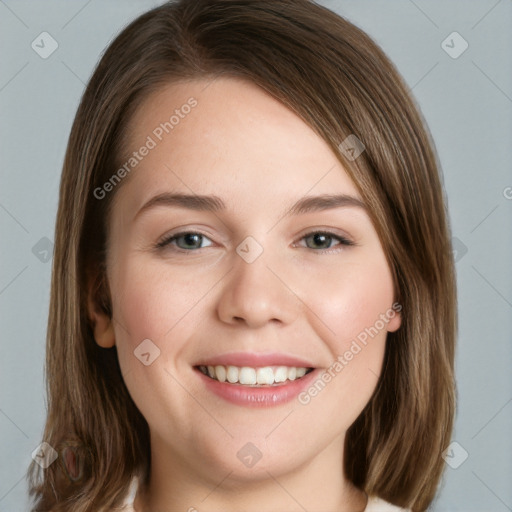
{"points": [[323, 240], [187, 241]]}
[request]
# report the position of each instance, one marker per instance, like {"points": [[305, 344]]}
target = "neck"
{"points": [[177, 483]]}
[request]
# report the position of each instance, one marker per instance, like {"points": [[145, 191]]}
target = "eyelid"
{"points": [[167, 239], [344, 241]]}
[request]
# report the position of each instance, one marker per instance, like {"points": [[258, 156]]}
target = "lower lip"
{"points": [[258, 396]]}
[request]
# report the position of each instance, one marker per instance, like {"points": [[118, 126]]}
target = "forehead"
{"points": [[230, 138]]}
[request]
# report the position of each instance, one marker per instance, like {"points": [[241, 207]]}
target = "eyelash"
{"points": [[342, 241]]}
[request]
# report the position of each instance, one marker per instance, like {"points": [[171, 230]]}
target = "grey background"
{"points": [[467, 103]]}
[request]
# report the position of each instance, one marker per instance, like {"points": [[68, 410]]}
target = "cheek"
{"points": [[157, 303], [351, 298], [348, 308], [153, 302]]}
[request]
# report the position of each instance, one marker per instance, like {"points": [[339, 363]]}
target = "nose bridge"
{"points": [[253, 294]]}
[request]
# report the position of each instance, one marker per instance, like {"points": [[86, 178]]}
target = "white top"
{"points": [[378, 505], [374, 504]]}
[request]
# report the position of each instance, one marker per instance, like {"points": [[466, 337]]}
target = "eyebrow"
{"points": [[324, 202], [212, 203], [189, 201]]}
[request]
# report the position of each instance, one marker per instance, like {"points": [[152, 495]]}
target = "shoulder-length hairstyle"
{"points": [[337, 80]]}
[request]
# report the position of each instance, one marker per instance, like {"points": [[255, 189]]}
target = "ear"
{"points": [[99, 314], [395, 316]]}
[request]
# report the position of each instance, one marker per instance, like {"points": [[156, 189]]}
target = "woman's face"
{"points": [[239, 241]]}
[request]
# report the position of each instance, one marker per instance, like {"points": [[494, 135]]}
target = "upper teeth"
{"points": [[252, 376]]}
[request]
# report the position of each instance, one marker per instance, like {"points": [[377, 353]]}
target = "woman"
{"points": [[253, 299]]}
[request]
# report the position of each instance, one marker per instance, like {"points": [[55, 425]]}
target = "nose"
{"points": [[256, 294]]}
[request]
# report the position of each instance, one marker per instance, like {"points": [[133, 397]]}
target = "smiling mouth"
{"points": [[254, 377]]}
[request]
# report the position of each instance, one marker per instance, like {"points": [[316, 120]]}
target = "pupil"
{"points": [[320, 239], [192, 240]]}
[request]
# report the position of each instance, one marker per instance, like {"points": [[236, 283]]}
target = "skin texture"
{"points": [[246, 148]]}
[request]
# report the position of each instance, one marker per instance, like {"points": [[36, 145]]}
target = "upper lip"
{"points": [[255, 360]]}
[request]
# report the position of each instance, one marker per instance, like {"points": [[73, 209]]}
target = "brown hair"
{"points": [[336, 79]]}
